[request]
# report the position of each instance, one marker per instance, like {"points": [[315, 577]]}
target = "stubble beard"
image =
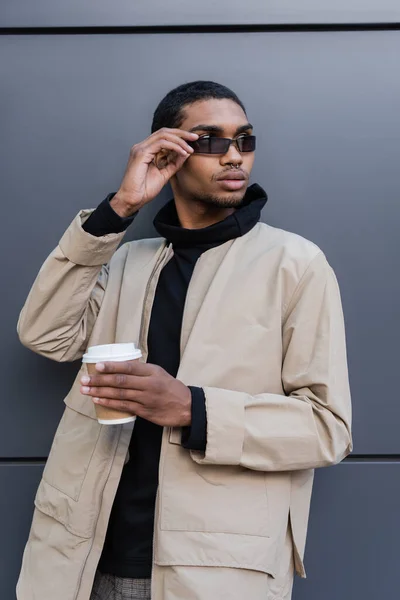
{"points": [[233, 201]]}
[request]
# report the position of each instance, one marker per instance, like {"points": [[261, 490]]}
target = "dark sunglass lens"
{"points": [[219, 145], [210, 145], [201, 145], [247, 143]]}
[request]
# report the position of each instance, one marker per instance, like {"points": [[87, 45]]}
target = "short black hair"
{"points": [[169, 113]]}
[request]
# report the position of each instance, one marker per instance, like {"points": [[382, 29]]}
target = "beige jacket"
{"points": [[262, 333]]}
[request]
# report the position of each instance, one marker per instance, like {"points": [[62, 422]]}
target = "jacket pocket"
{"points": [[73, 447], [211, 498], [77, 468]]}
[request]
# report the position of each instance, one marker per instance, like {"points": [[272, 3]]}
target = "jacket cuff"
{"points": [[105, 220], [225, 427], [84, 249], [194, 437]]}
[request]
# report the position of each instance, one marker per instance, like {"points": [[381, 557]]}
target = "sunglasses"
{"points": [[218, 145]]}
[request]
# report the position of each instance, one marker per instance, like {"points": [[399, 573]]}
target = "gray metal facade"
{"points": [[319, 81]]}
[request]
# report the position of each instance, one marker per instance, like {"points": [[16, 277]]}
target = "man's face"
{"points": [[205, 177]]}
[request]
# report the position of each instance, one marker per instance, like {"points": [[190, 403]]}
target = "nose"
{"points": [[232, 156]]}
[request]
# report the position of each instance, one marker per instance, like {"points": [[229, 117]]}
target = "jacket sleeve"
{"points": [[309, 426], [63, 303]]}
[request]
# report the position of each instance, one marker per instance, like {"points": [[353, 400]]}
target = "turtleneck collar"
{"points": [[237, 224]]}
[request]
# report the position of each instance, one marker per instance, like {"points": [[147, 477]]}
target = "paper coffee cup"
{"points": [[110, 353]]}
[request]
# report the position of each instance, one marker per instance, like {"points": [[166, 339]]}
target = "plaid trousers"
{"points": [[110, 587]]}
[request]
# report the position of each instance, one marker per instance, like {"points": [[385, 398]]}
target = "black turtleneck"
{"points": [[127, 550]]}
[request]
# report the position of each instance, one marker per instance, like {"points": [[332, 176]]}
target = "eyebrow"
{"points": [[216, 129]]}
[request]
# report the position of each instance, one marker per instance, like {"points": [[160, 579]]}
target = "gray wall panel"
{"points": [[352, 544], [45, 13], [325, 108], [352, 547], [18, 485]]}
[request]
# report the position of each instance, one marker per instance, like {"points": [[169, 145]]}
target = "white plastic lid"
{"points": [[117, 421], [111, 352]]}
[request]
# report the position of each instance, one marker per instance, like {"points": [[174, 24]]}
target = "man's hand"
{"points": [[142, 389], [151, 165]]}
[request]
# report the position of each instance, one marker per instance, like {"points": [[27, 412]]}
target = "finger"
{"points": [[125, 406], [173, 167], [128, 367], [182, 133], [172, 137], [169, 163], [153, 144], [112, 393], [118, 380], [165, 157], [171, 144], [163, 152], [179, 140], [148, 152]]}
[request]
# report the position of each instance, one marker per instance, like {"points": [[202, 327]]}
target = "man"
{"points": [[243, 393]]}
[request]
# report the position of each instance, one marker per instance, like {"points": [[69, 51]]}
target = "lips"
{"points": [[232, 176], [232, 180]]}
